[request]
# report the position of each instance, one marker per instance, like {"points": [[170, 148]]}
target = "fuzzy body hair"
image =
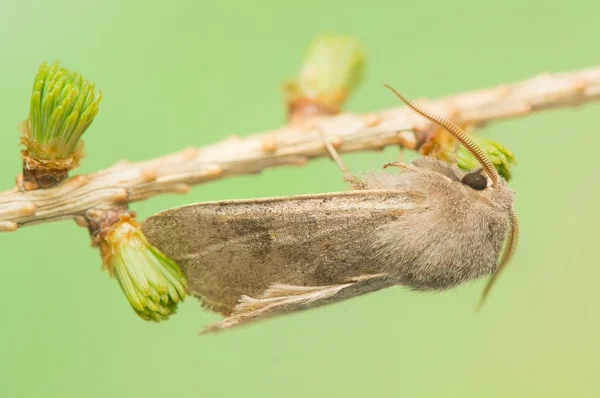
{"points": [[455, 236], [418, 227]]}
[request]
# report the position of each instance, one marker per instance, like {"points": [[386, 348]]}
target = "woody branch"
{"points": [[293, 144]]}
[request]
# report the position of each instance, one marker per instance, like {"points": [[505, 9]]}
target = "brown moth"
{"points": [[430, 226]]}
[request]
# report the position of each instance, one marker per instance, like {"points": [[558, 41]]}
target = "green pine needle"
{"points": [[152, 283], [62, 107], [502, 158], [332, 68]]}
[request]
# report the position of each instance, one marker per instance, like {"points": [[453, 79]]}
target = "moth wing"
{"points": [[286, 298], [238, 248]]}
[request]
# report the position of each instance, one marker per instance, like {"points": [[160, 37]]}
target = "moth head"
{"points": [[461, 137], [475, 179]]}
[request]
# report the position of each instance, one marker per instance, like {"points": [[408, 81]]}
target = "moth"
{"points": [[429, 226]]}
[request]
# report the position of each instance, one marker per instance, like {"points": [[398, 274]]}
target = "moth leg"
{"points": [[401, 165], [288, 298], [401, 154], [350, 178]]}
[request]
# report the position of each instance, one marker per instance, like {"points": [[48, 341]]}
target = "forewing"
{"points": [[233, 248]]}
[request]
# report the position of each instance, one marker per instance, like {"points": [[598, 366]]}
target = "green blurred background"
{"points": [[181, 73]]}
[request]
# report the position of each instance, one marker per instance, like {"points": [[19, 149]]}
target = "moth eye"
{"points": [[475, 181]]}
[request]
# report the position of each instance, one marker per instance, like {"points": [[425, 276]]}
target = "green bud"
{"points": [[152, 282], [502, 158], [62, 107], [332, 69], [332, 63]]}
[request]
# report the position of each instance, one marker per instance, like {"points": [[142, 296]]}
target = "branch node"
{"points": [[148, 175], [121, 162], [214, 170], [189, 153], [336, 142], [372, 119], [28, 209], [8, 226], [503, 90], [269, 144], [76, 181], [120, 195], [300, 160], [579, 85], [407, 139]]}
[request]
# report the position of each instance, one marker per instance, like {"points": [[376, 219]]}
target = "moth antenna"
{"points": [[513, 240], [457, 132]]}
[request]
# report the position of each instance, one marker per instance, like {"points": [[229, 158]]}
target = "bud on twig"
{"points": [[443, 146], [502, 158], [332, 69], [152, 282], [62, 107]]}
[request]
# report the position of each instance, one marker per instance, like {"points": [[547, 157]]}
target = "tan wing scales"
{"points": [[242, 248]]}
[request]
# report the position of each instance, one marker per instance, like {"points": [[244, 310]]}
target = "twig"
{"points": [[289, 145]]}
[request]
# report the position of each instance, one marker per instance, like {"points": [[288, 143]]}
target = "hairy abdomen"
{"points": [[440, 247]]}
